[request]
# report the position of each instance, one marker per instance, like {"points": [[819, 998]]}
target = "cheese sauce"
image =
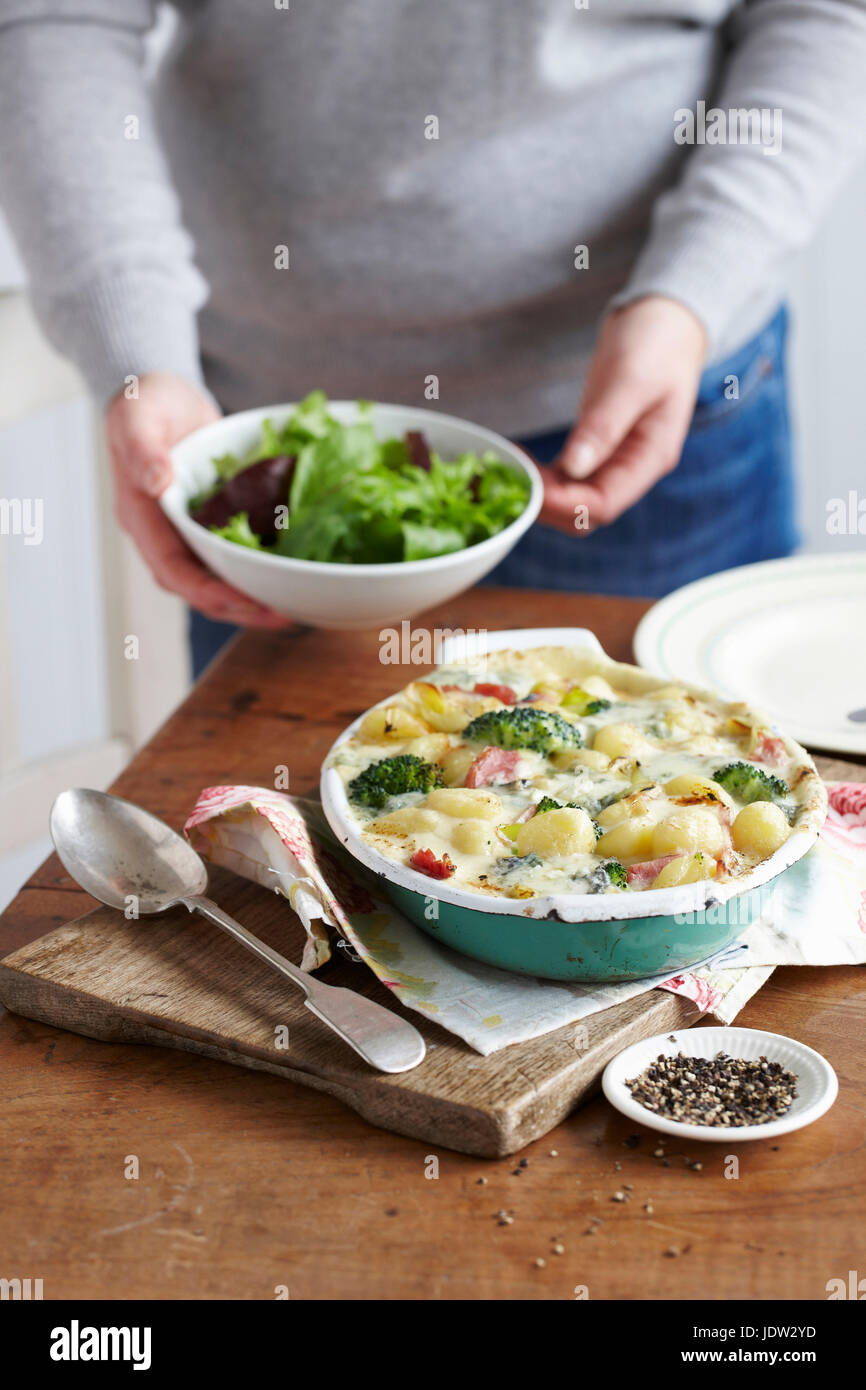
{"points": [[618, 795]]}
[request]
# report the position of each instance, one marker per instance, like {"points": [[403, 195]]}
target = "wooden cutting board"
{"points": [[175, 981]]}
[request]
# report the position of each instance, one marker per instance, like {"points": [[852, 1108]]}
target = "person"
{"points": [[568, 221]]}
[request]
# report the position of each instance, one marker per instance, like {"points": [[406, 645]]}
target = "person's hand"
{"points": [[140, 433], [634, 414]]}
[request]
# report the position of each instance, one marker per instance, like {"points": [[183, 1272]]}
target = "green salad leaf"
{"points": [[355, 499], [238, 530], [420, 541]]}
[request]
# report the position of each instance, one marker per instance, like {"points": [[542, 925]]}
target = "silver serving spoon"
{"points": [[124, 856]]}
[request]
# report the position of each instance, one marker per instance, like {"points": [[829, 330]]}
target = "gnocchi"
{"points": [[471, 836], [598, 687], [466, 802], [638, 803], [686, 868], [692, 787], [620, 741], [691, 828], [390, 722], [431, 748], [631, 839], [566, 831], [646, 777], [404, 821], [688, 718], [760, 829], [455, 765], [447, 711]]}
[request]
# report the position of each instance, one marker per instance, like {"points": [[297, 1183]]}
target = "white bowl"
{"points": [[817, 1086], [334, 595]]}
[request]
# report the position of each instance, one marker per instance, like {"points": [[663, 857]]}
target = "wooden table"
{"points": [[248, 1182]]}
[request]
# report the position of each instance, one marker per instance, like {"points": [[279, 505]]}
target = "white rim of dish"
{"points": [[174, 501], [634, 1059], [570, 907]]}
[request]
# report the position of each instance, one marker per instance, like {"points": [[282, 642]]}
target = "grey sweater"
{"points": [[384, 197]]}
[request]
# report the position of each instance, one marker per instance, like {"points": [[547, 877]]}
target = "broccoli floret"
{"points": [[749, 783], [617, 873], [548, 803], [543, 731], [611, 874], [392, 777]]}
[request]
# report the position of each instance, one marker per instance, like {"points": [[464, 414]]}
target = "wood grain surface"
{"points": [[176, 982], [246, 1181]]}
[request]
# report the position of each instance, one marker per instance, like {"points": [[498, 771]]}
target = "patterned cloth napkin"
{"points": [[813, 914]]}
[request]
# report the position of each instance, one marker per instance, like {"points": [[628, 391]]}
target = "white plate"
{"points": [[817, 1086], [786, 635]]}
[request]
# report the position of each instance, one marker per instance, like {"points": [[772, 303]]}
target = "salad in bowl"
{"points": [[350, 514]]}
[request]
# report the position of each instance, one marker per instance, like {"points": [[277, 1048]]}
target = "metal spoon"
{"points": [[123, 855]]}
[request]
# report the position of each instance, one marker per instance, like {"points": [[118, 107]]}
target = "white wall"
{"points": [[828, 362], [72, 708]]}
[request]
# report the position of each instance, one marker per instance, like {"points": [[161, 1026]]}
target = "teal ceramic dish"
{"points": [[588, 951], [578, 936]]}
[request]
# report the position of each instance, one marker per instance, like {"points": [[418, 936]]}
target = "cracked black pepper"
{"points": [[720, 1090]]}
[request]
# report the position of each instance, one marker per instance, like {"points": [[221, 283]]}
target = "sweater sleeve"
{"points": [[87, 192], [737, 211]]}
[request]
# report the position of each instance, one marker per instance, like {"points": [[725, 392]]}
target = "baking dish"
{"points": [[574, 936]]}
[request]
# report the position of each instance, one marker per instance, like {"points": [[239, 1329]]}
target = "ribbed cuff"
{"points": [[129, 324], [708, 261]]}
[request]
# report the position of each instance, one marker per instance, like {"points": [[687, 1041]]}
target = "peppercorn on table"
{"points": [[328, 1205]]}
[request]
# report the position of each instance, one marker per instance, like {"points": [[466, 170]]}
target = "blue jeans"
{"points": [[729, 501]]}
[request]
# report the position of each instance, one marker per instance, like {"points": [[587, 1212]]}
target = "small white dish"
{"points": [[330, 595], [783, 634], [817, 1086]]}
